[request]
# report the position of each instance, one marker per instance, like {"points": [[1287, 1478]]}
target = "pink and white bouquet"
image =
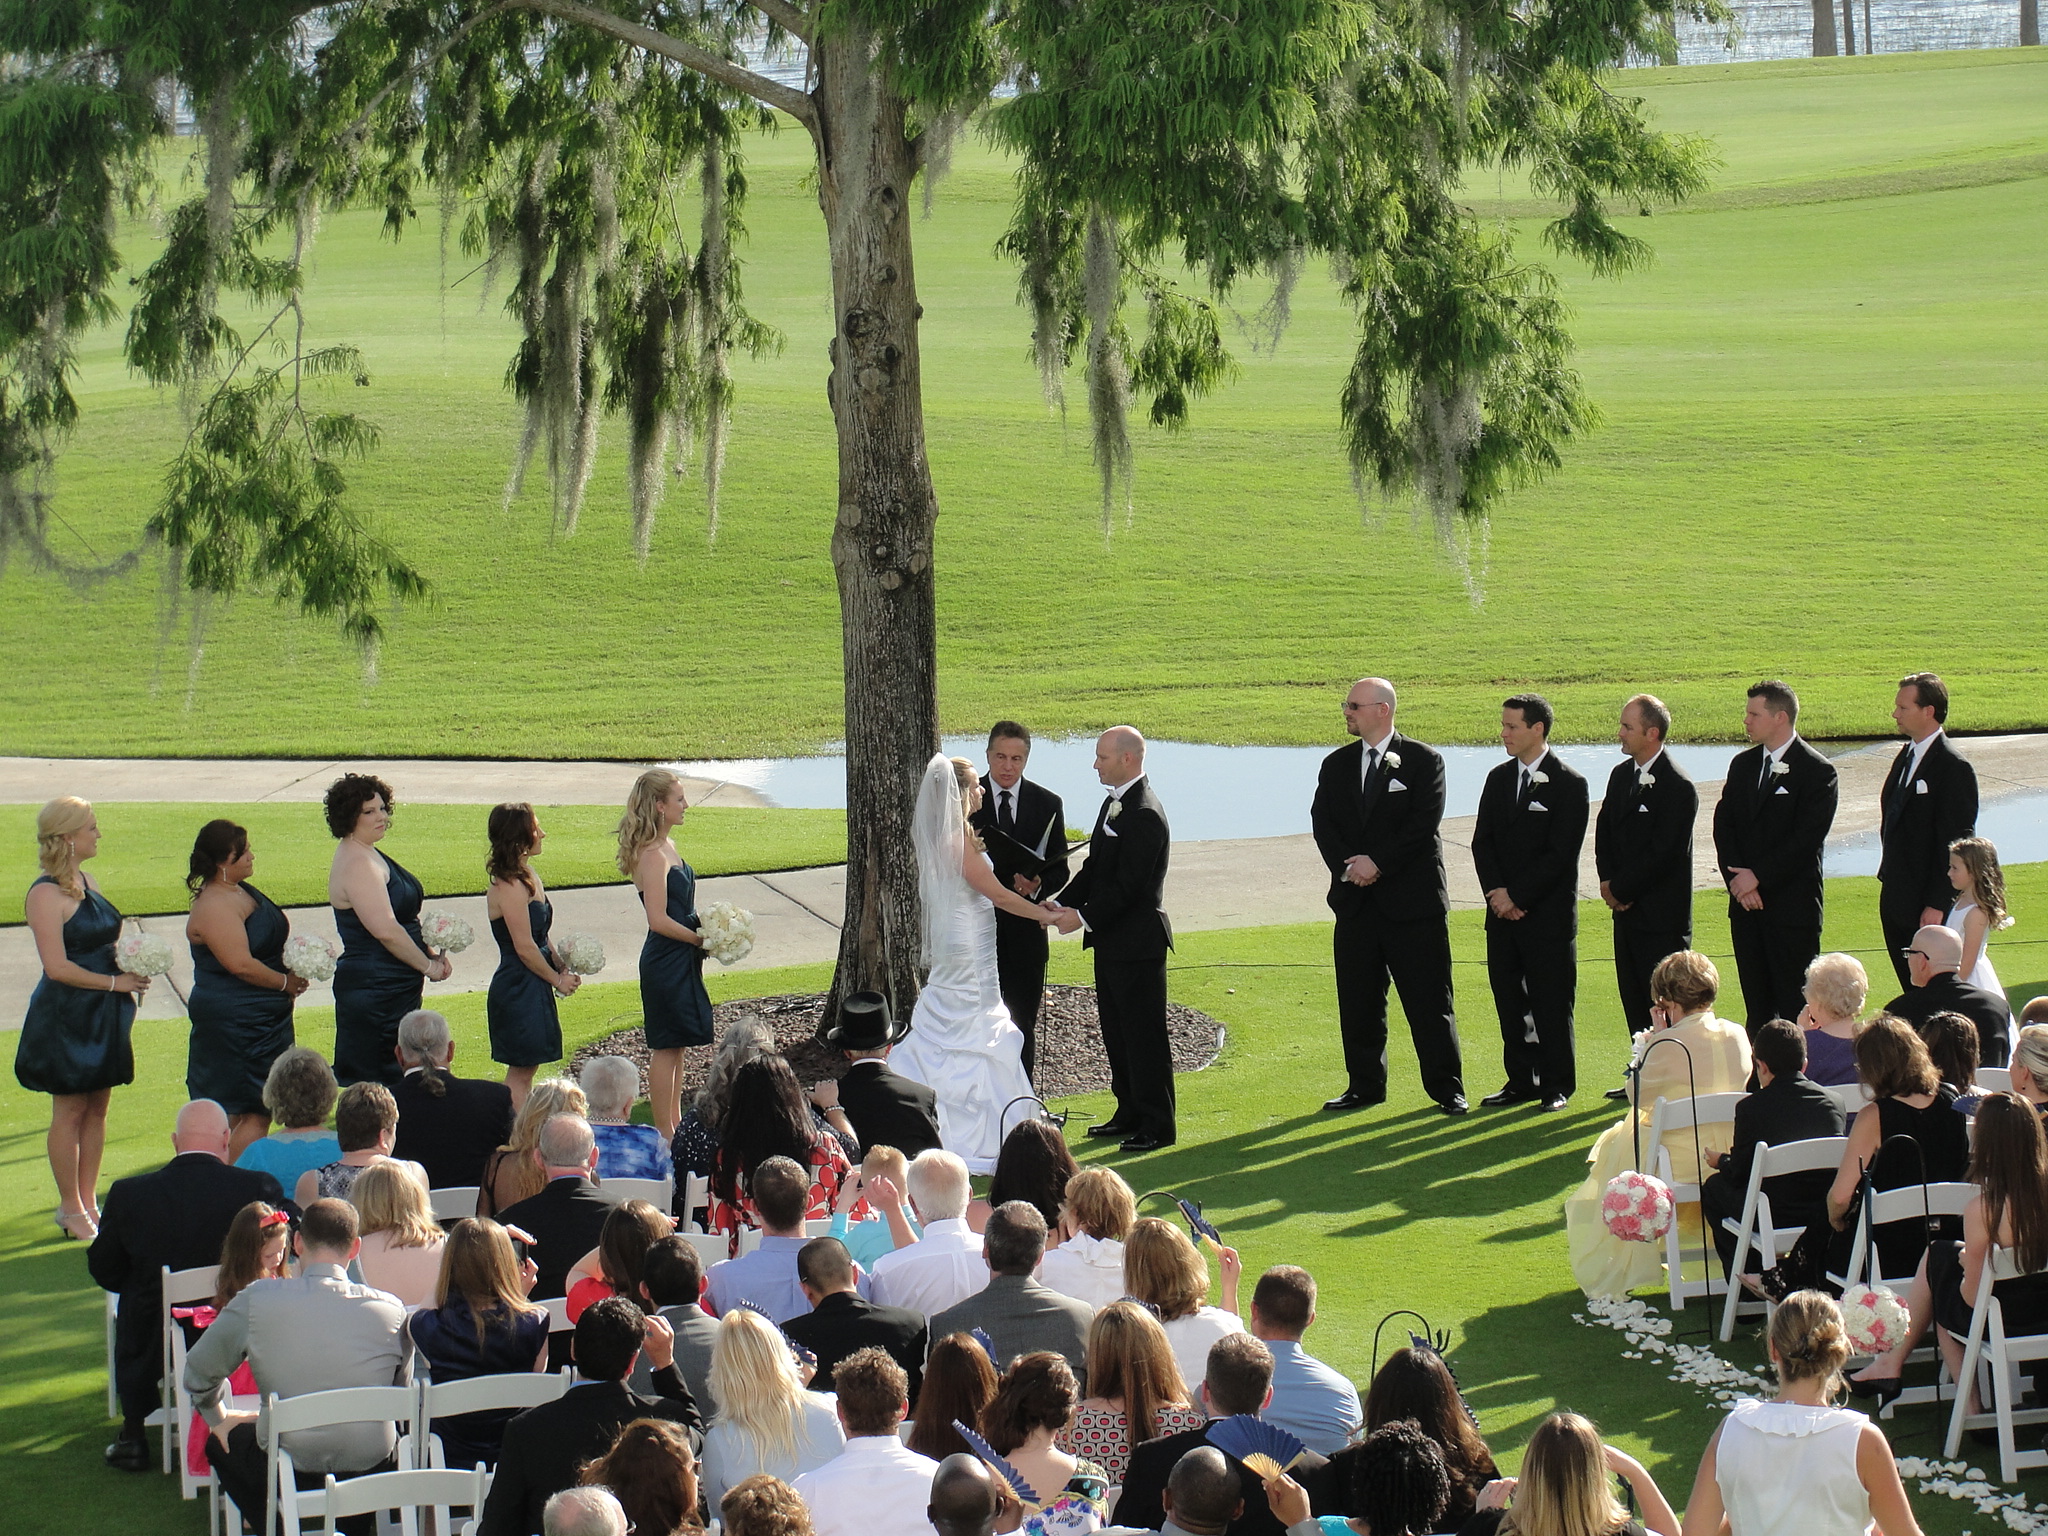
{"points": [[309, 956], [143, 954], [727, 931], [446, 932], [1874, 1318], [1637, 1207]]}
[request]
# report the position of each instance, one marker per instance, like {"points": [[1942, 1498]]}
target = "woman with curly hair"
{"points": [[1034, 1402], [299, 1095], [1416, 1385], [526, 1026], [652, 1474], [673, 1003], [764, 1506]]}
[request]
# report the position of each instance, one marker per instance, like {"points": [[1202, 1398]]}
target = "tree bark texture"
{"points": [[2030, 23], [1849, 27], [882, 537], [1824, 45]]}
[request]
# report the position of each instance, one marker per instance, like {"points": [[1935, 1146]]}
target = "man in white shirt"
{"points": [[877, 1483], [945, 1266]]}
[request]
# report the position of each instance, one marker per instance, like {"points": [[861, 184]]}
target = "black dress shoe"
{"points": [[1510, 1095], [1143, 1143], [1351, 1098], [1552, 1103], [1454, 1105], [129, 1455], [1108, 1128], [1618, 1095]]}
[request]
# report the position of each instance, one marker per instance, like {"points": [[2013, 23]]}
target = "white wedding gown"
{"points": [[1981, 974], [962, 1042]]}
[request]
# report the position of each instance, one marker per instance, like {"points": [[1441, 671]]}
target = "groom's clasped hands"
{"points": [[1053, 915]]}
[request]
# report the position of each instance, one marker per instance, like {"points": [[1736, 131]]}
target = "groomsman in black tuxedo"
{"points": [[1377, 817], [1033, 816], [1928, 801], [1116, 899], [1525, 845], [1642, 849], [1770, 828]]}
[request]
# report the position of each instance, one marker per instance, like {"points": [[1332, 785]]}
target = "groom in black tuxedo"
{"points": [[1929, 800], [1031, 815], [1770, 829], [1116, 900], [1377, 816]]}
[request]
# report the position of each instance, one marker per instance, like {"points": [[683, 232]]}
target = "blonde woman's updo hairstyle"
{"points": [[1686, 981], [641, 825], [1809, 1340], [2031, 1052], [1838, 984], [56, 824]]}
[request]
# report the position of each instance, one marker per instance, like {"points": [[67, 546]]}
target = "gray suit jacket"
{"points": [[696, 1332], [1022, 1316]]}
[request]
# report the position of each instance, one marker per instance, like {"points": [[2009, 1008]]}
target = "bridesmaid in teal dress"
{"points": [[242, 996], [526, 1028], [384, 964], [74, 1043], [674, 1005]]}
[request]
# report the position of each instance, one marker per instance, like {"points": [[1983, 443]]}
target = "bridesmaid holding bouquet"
{"points": [[242, 996], [526, 1027], [74, 1043], [384, 964], [673, 1003]]}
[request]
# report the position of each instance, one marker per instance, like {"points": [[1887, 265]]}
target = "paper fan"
{"points": [[1026, 1494], [1199, 1226], [1266, 1448], [753, 1306], [988, 1347]]}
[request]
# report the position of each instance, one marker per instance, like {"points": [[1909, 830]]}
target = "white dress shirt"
{"points": [[876, 1484], [939, 1270], [1920, 752], [1089, 1269], [1191, 1337], [1369, 760]]}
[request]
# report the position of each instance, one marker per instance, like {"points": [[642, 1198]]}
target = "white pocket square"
{"points": [[1919, 786], [1782, 790], [1642, 810], [1537, 805], [1395, 786]]}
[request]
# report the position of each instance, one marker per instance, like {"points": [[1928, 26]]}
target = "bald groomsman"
{"points": [[1642, 848], [1032, 821], [1929, 800], [1378, 817]]}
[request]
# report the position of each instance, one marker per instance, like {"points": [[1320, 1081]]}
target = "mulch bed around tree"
{"points": [[1070, 1058]]}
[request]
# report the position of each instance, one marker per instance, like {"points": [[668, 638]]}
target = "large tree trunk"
{"points": [[882, 538], [1824, 45], [2030, 23], [1849, 27]]}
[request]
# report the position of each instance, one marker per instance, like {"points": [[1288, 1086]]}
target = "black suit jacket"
{"points": [[1920, 820], [1401, 833], [177, 1216], [1532, 847], [1154, 1460], [1780, 831], [545, 1447], [844, 1322], [1949, 993], [887, 1109], [1120, 891], [1786, 1109], [1642, 843], [451, 1136], [565, 1219], [1041, 827]]}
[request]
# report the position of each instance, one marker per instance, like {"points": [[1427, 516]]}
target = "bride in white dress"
{"points": [[962, 1042], [1974, 871]]}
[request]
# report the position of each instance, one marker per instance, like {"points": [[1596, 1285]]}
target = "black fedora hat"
{"points": [[865, 1023]]}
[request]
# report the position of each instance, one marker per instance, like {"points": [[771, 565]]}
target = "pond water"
{"points": [[2017, 825]]}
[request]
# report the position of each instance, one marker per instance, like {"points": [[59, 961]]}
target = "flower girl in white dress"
{"points": [[1980, 907]]}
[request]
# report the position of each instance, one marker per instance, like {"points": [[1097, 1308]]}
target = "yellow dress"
{"points": [[1603, 1264]]}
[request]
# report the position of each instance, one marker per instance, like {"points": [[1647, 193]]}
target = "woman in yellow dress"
{"points": [[1682, 993]]}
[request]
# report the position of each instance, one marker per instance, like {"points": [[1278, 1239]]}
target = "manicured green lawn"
{"points": [[148, 848], [1822, 459], [1394, 1208]]}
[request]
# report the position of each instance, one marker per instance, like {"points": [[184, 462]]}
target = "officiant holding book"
{"points": [[1023, 825]]}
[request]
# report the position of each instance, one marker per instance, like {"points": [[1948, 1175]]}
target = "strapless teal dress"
{"points": [[238, 1029], [75, 1039], [526, 1028], [373, 988], [673, 1002]]}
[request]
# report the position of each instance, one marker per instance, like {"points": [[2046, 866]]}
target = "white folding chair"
{"points": [[1994, 1080], [1757, 1228], [659, 1193], [1672, 1115], [1989, 1350], [710, 1246], [1851, 1097], [285, 1504], [478, 1394], [818, 1227], [453, 1203], [407, 1492], [558, 1314], [696, 1197], [1909, 1202], [181, 1288]]}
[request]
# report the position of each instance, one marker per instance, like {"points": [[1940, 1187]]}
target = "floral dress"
{"points": [[1080, 1507]]}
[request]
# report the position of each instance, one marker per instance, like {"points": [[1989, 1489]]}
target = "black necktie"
{"points": [[1006, 819], [1763, 780], [1523, 797], [1369, 785]]}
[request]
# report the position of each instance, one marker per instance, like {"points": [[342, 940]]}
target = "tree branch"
{"points": [[787, 15], [741, 79]]}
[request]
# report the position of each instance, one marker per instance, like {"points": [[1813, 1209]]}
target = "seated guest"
{"points": [[672, 1285], [884, 1175], [945, 1264], [1952, 1045], [510, 1173], [567, 1217], [877, 1483], [1167, 1272], [652, 1472], [1567, 1486], [764, 1506], [1095, 1217], [1934, 986], [1135, 1390], [695, 1147], [1415, 1384], [624, 1151], [1836, 990], [1034, 1402], [1787, 1106], [1394, 1483], [545, 1447], [968, 1497], [769, 1117], [842, 1321], [767, 1277], [883, 1108], [1033, 1165], [1018, 1313], [255, 1250], [2030, 1066], [480, 1324], [299, 1093], [178, 1217], [613, 1267], [1311, 1401], [1204, 1496], [449, 1125], [314, 1333], [765, 1421], [584, 1512], [366, 1126], [401, 1240], [959, 1379]]}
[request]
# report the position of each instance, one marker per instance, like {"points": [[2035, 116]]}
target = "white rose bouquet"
{"points": [[143, 954], [581, 953], [446, 932], [309, 956], [727, 932]]}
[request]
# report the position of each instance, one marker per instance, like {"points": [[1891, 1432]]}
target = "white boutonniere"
{"points": [[1780, 768], [1645, 778], [1392, 759], [1116, 809], [1539, 777]]}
